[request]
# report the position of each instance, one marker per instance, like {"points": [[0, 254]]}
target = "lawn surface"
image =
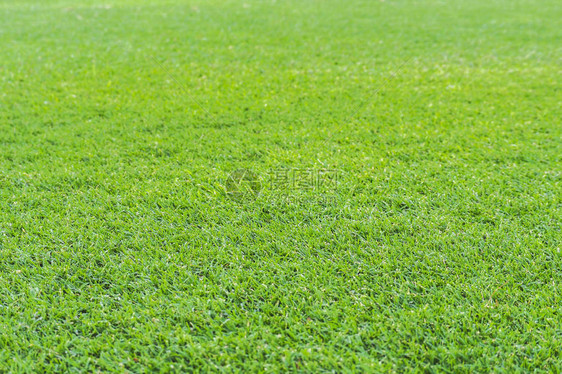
{"points": [[123, 247]]}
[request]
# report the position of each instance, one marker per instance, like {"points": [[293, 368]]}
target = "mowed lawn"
{"points": [[123, 248]]}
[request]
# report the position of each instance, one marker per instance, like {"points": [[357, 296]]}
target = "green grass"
{"points": [[121, 249]]}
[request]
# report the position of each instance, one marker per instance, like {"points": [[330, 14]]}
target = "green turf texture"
{"points": [[122, 251]]}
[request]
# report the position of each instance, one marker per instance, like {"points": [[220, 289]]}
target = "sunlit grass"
{"points": [[123, 247]]}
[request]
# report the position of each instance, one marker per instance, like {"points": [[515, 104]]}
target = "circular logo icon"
{"points": [[243, 185]]}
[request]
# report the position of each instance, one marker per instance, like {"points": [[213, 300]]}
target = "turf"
{"points": [[123, 248]]}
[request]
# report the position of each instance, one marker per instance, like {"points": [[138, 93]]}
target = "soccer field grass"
{"points": [[280, 185]]}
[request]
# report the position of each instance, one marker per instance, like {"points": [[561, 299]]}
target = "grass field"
{"points": [[436, 247]]}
